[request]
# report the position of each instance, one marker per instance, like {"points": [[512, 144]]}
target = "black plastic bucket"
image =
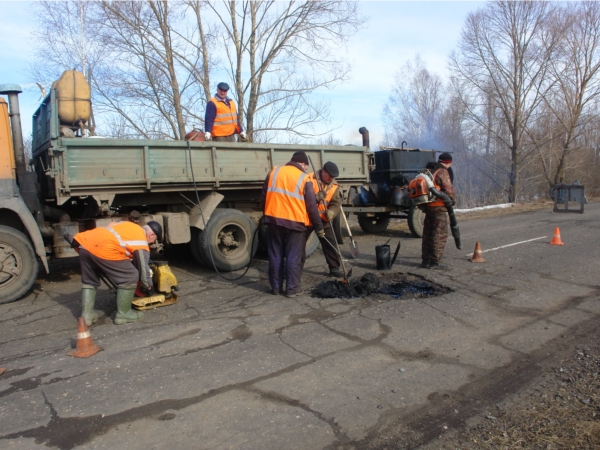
{"points": [[383, 257]]}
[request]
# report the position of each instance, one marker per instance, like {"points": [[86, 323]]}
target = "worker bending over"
{"points": [[329, 203], [290, 209], [121, 251]]}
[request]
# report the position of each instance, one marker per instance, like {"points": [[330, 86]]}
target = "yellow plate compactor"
{"points": [[165, 287]]}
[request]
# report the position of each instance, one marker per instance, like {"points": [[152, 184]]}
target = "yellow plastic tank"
{"points": [[7, 157], [73, 95]]}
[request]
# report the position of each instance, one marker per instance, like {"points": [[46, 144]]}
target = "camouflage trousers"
{"points": [[435, 233]]}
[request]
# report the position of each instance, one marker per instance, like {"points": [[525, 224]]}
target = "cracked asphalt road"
{"points": [[233, 367]]}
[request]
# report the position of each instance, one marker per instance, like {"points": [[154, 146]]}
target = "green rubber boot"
{"points": [[88, 298], [124, 312]]}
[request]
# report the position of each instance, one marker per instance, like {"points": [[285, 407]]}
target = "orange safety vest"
{"points": [[285, 194], [438, 201], [115, 242], [226, 121], [329, 192]]}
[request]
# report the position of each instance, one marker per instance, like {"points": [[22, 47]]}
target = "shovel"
{"points": [[353, 245]]}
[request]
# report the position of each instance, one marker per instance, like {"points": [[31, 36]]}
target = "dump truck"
{"points": [[204, 194]]}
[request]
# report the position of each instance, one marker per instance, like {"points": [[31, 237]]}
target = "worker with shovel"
{"points": [[329, 203]]}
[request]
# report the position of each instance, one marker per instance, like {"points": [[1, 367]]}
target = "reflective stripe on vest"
{"points": [[285, 195], [125, 244], [437, 201], [226, 120], [329, 192]]}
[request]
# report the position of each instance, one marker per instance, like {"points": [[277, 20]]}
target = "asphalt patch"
{"points": [[370, 283], [355, 288]]}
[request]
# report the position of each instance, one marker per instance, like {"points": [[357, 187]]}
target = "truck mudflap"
{"points": [[17, 205]]}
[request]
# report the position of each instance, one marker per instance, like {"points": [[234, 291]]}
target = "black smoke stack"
{"points": [[365, 136]]}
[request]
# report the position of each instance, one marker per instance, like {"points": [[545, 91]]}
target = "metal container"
{"points": [[62, 249]]}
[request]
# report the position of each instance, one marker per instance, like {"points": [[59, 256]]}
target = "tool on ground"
{"points": [[164, 282], [477, 254], [85, 346], [353, 244], [556, 239], [395, 254]]}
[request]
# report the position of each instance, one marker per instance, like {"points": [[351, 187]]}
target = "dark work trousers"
{"points": [[122, 273], [333, 258], [435, 233], [286, 250]]}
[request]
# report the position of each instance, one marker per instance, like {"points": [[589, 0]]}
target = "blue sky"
{"points": [[395, 33]]}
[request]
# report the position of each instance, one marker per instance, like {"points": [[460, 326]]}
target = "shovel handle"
{"points": [[346, 222]]}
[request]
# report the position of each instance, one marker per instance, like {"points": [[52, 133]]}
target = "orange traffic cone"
{"points": [[85, 345], [556, 239], [2, 370], [477, 256]]}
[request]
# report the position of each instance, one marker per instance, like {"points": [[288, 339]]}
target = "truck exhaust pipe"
{"points": [[365, 136], [13, 91]]}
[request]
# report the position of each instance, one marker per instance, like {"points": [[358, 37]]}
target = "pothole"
{"points": [[401, 285]]}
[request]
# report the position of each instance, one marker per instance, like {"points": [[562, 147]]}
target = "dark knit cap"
{"points": [[445, 157], [300, 157], [331, 169], [155, 226], [223, 86]]}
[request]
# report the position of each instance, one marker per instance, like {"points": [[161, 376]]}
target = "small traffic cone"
{"points": [[85, 345], [2, 370], [477, 256], [556, 239]]}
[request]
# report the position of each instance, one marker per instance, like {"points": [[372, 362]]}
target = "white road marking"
{"points": [[510, 245]]}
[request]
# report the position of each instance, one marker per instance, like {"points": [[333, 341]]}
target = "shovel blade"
{"points": [[353, 249]]}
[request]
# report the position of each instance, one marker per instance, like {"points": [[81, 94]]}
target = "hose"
{"points": [[453, 222]]}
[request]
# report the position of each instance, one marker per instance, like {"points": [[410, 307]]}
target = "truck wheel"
{"points": [[374, 225], [416, 219], [229, 234], [18, 265]]}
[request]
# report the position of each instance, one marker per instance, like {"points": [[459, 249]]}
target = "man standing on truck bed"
{"points": [[329, 201], [121, 251], [221, 121], [290, 209], [435, 227]]}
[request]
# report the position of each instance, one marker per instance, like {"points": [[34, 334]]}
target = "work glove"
{"points": [[330, 215], [148, 292], [207, 135], [243, 136], [320, 196], [321, 233]]}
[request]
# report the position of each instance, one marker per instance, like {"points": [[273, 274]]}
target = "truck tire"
{"points": [[229, 234], [416, 219], [18, 265], [374, 225]]}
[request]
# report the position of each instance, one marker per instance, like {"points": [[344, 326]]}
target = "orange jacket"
{"points": [[285, 195], [226, 120], [116, 242], [329, 193]]}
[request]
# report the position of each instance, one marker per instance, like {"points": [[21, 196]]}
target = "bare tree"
{"points": [[66, 38], [572, 105], [504, 55], [279, 54], [415, 105]]}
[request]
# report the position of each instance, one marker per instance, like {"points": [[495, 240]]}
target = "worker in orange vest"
{"points": [[121, 251], [290, 210], [329, 203], [221, 121]]}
